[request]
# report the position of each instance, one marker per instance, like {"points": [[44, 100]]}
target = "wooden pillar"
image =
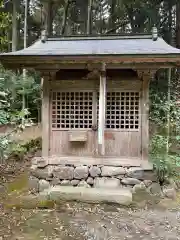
{"points": [[102, 110], [94, 124], [145, 76], [145, 118], [45, 116]]}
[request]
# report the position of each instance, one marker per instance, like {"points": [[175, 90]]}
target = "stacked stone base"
{"points": [[43, 176]]}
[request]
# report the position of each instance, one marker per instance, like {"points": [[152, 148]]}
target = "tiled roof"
{"points": [[79, 46]]}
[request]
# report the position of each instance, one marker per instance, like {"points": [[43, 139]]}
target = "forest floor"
{"points": [[79, 221]]}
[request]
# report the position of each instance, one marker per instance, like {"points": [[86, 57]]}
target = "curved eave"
{"points": [[32, 61]]}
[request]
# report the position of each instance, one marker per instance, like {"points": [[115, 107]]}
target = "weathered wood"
{"points": [[60, 144], [120, 143], [145, 118], [77, 136], [146, 76], [123, 141], [146, 73], [55, 65], [45, 117], [128, 84], [102, 111], [94, 124], [106, 161], [126, 61]]}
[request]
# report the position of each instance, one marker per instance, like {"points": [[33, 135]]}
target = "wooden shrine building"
{"points": [[95, 93]]}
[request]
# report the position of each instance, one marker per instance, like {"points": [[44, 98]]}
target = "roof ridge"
{"points": [[108, 37]]}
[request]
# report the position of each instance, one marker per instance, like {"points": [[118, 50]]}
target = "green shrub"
{"points": [[165, 163]]}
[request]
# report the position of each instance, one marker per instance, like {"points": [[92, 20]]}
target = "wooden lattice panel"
{"points": [[122, 110], [72, 110]]}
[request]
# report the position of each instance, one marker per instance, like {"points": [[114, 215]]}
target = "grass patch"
{"points": [[19, 184]]}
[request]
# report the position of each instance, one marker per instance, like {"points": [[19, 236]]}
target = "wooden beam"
{"points": [[94, 122], [106, 161], [146, 73], [102, 110], [45, 116], [145, 76], [145, 119], [108, 59]]}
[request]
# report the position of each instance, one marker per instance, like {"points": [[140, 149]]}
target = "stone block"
{"points": [[155, 189], [112, 171], [94, 171], [42, 173], [34, 161], [33, 167], [75, 182], [141, 195], [64, 172], [43, 184], [130, 181], [66, 183], [106, 182], [119, 177], [90, 195], [150, 175], [147, 183], [139, 187], [135, 172], [55, 181], [173, 184], [84, 184], [42, 163], [90, 181], [177, 184], [169, 192], [81, 172], [33, 184]]}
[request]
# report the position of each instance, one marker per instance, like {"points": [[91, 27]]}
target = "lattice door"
{"points": [[71, 110], [122, 110], [74, 110], [122, 130]]}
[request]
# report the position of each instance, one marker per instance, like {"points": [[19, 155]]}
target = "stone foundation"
{"points": [[44, 175]]}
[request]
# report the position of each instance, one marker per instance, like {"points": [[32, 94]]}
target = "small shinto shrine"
{"points": [[95, 95]]}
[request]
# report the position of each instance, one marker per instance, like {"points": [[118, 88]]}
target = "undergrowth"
{"points": [[166, 163]]}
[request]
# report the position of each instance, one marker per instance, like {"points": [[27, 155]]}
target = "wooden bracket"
{"points": [[48, 74], [143, 74], [96, 70], [177, 64], [93, 74]]}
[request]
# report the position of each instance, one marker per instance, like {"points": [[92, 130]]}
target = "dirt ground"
{"points": [[78, 221], [81, 221]]}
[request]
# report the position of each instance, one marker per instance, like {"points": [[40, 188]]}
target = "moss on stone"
{"points": [[19, 184], [30, 202]]}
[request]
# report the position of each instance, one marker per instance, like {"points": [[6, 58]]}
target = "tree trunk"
{"points": [[112, 15], [66, 8], [170, 23], [48, 17], [89, 17], [178, 25], [14, 26]]}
